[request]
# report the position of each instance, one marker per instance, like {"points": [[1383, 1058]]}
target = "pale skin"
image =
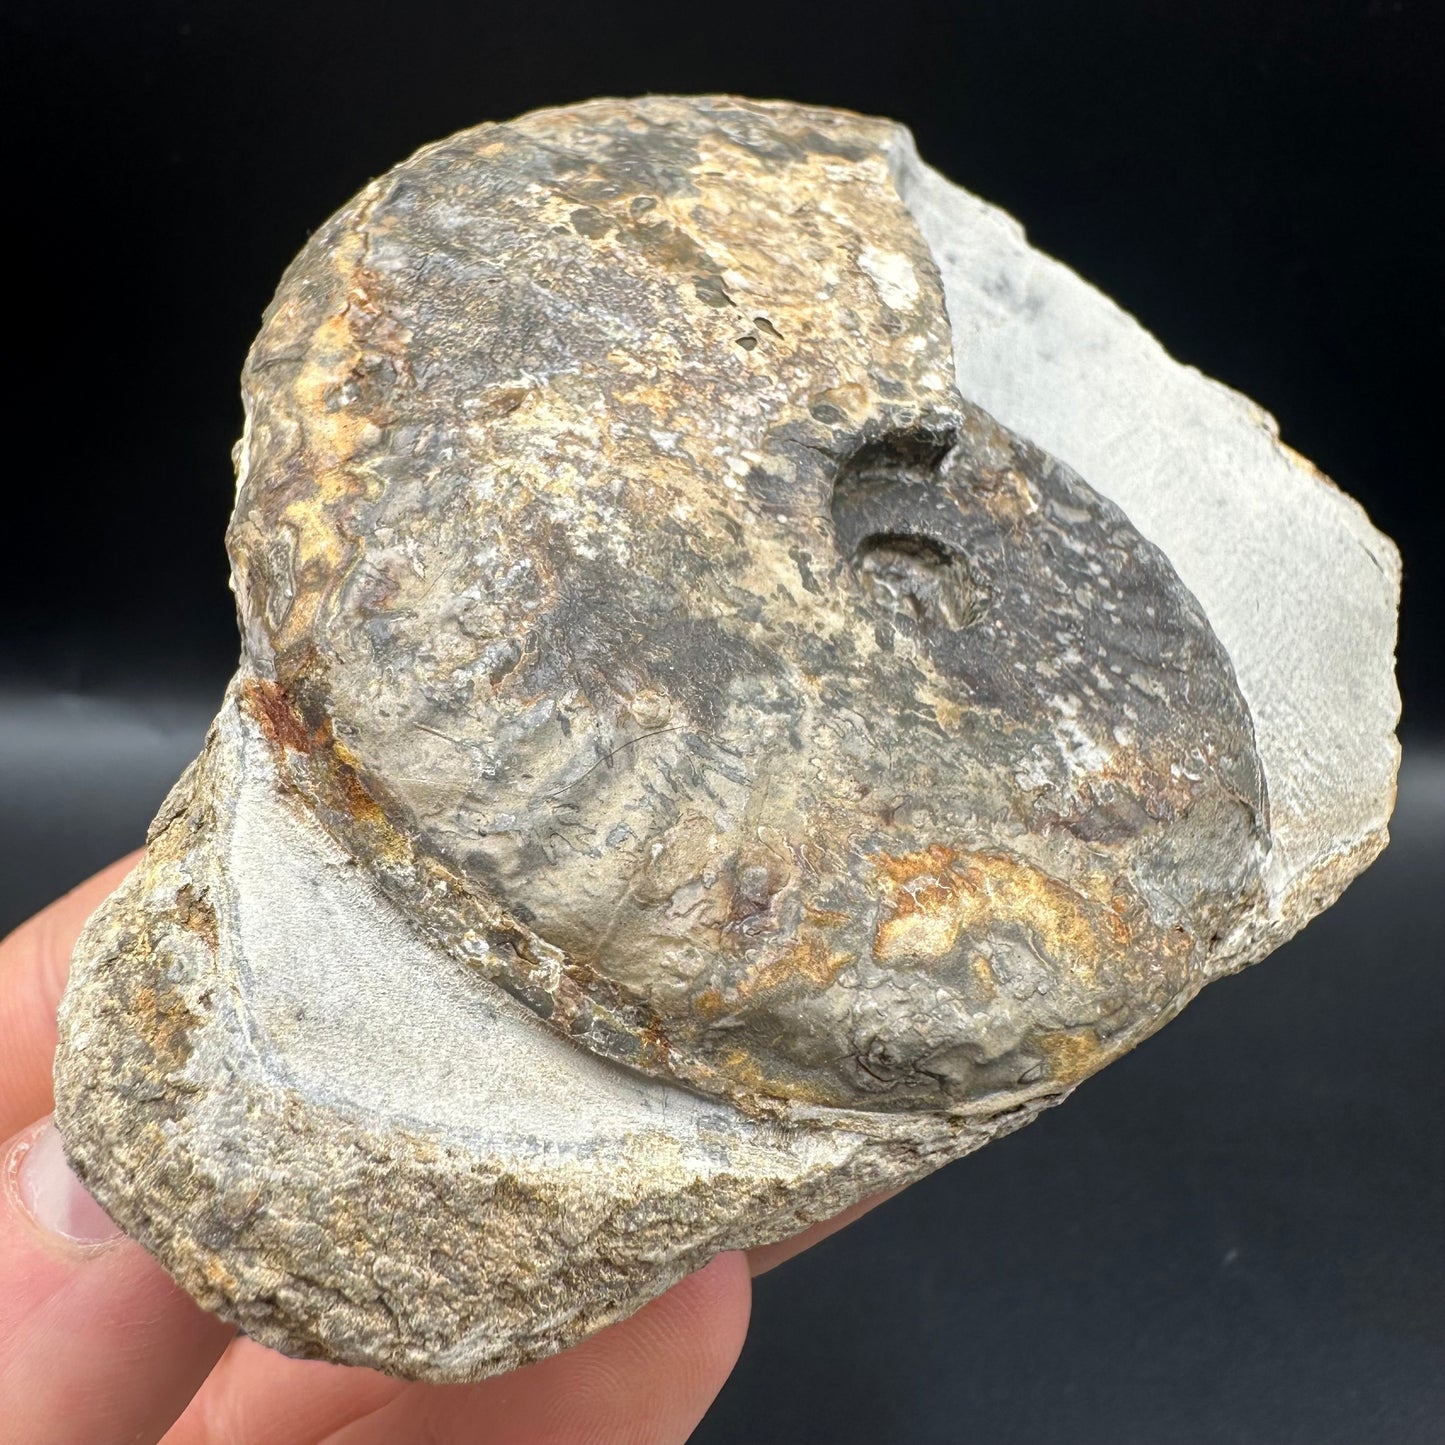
{"points": [[98, 1346]]}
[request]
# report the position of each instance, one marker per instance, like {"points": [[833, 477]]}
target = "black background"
{"points": [[1236, 1233]]}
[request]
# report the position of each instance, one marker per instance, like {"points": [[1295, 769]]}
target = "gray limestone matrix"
{"points": [[755, 683]]}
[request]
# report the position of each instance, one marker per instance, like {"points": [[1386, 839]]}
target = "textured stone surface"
{"points": [[697, 758]]}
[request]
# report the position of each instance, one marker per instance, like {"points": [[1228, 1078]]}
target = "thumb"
{"points": [[96, 1343]]}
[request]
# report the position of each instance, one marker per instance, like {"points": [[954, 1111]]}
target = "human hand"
{"points": [[97, 1345]]}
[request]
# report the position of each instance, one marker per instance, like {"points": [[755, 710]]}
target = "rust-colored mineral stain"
{"points": [[338, 423], [655, 1050], [329, 765], [164, 1020], [196, 914], [271, 707], [709, 1003], [1073, 1054], [809, 960], [983, 972], [358, 800], [760, 1084], [938, 895], [219, 1277]]}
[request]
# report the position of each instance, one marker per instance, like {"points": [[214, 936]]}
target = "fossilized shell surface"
{"points": [[621, 558], [755, 683]]}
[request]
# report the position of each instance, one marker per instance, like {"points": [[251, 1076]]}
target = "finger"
{"points": [[687, 1341], [645, 1381], [34, 961], [769, 1256], [255, 1394], [311, 1399], [96, 1343]]}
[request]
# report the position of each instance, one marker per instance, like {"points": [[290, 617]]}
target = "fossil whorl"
{"points": [[627, 586]]}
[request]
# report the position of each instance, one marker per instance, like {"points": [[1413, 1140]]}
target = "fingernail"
{"points": [[56, 1199]]}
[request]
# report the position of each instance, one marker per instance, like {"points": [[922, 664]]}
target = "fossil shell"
{"points": [[634, 592], [755, 683]]}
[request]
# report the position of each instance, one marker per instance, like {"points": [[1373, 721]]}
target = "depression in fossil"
{"points": [[755, 682]]}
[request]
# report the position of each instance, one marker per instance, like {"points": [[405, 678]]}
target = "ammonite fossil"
{"points": [[754, 683]]}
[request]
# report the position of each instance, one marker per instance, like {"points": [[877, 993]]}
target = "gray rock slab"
{"points": [[345, 1052]]}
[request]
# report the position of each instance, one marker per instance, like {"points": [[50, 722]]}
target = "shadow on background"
{"points": [[1260, 183]]}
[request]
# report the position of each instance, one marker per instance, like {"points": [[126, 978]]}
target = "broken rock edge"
{"points": [[150, 983], [1296, 894]]}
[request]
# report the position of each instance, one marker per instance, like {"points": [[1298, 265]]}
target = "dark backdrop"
{"points": [[1261, 182], [1236, 1233]]}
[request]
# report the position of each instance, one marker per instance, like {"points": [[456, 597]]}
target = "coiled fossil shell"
{"points": [[635, 594], [699, 755]]}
